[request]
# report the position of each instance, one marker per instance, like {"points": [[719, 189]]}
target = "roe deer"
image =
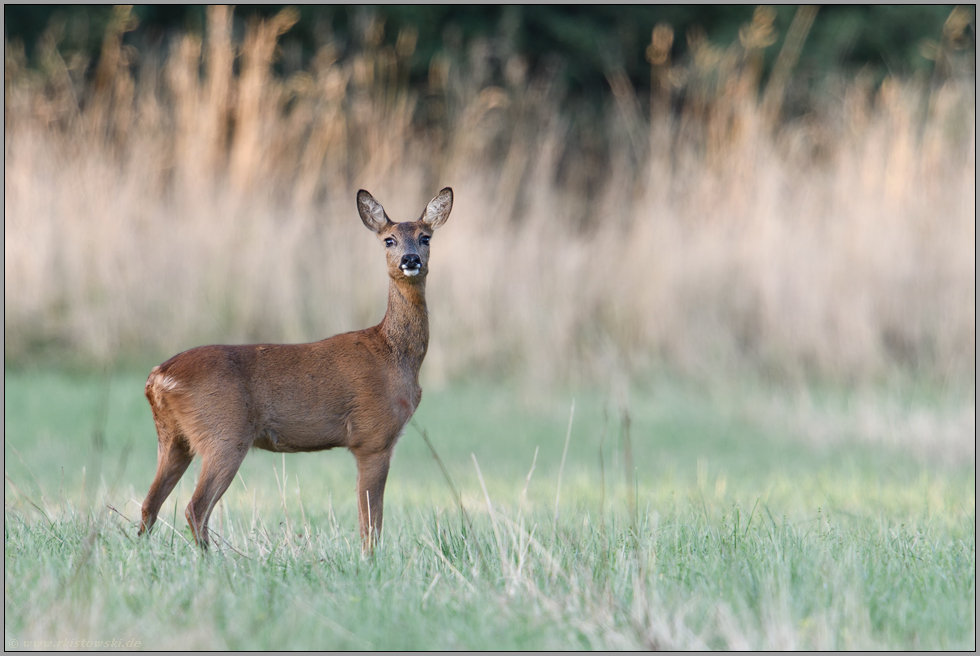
{"points": [[355, 390]]}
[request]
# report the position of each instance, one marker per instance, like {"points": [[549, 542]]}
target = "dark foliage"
{"points": [[586, 39]]}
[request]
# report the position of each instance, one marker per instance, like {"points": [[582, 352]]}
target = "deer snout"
{"points": [[411, 264]]}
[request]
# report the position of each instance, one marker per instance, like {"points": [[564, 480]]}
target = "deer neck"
{"points": [[406, 323]]}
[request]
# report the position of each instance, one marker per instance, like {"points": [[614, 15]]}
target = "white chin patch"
{"points": [[411, 272]]}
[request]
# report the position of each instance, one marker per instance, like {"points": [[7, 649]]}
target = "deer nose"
{"points": [[411, 261]]}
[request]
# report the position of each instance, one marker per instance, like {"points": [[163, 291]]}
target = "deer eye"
{"points": [[424, 240], [389, 241]]}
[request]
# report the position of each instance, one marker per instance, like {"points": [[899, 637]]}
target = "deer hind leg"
{"points": [[173, 458], [219, 465], [372, 472]]}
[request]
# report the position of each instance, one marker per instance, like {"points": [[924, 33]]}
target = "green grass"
{"points": [[709, 519]]}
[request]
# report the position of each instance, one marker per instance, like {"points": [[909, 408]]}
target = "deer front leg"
{"points": [[372, 472]]}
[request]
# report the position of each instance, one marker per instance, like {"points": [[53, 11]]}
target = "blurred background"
{"points": [[785, 193]]}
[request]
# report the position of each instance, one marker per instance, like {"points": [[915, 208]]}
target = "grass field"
{"points": [[687, 517]]}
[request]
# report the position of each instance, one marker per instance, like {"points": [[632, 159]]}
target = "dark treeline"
{"points": [[587, 40]]}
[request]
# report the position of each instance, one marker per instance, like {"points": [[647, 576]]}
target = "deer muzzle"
{"points": [[411, 264]]}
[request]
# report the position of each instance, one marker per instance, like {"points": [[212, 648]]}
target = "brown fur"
{"points": [[356, 390]]}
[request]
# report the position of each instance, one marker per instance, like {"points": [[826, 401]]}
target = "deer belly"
{"points": [[296, 439]]}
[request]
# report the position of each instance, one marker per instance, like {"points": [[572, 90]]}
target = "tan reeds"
{"points": [[175, 207]]}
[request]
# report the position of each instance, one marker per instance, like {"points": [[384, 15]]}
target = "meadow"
{"points": [[679, 518], [698, 378]]}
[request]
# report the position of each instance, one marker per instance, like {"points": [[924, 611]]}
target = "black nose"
{"points": [[411, 261]]}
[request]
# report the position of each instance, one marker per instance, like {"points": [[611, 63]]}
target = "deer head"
{"points": [[406, 244]]}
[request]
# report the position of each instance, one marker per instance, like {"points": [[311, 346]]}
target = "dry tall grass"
{"points": [[178, 199]]}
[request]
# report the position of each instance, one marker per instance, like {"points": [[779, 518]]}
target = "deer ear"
{"points": [[437, 211], [372, 214]]}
